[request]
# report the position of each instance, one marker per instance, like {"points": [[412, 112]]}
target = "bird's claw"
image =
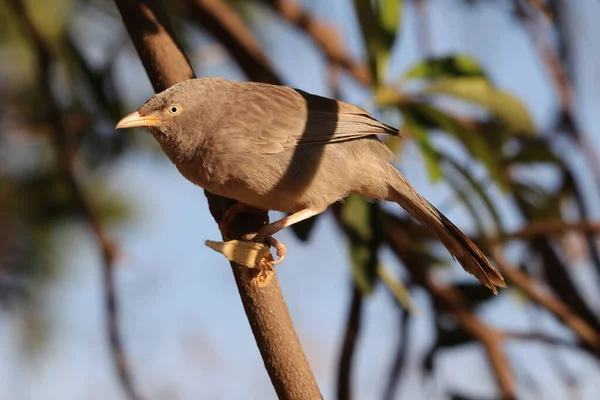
{"points": [[280, 249]]}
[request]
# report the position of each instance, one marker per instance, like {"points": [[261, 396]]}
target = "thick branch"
{"points": [[265, 307], [325, 37], [229, 29], [66, 159]]}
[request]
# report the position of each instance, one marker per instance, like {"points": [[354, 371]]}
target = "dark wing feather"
{"points": [[278, 117]]}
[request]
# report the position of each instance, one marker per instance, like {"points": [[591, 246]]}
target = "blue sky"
{"points": [[181, 318]]}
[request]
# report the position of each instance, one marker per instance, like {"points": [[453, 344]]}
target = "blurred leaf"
{"points": [[303, 229], [473, 140], [390, 13], [397, 288], [537, 202], [466, 174], [370, 29], [430, 155], [379, 26], [457, 66], [456, 396], [479, 91], [534, 151], [476, 293], [356, 221], [446, 338]]}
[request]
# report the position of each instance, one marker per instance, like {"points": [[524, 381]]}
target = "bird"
{"points": [[275, 147]]}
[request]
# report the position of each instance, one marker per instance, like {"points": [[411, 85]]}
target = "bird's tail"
{"points": [[458, 244]]}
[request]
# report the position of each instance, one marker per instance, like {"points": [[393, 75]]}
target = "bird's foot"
{"points": [[280, 249], [230, 214]]}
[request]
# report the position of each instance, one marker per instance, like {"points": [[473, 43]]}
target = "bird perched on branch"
{"points": [[278, 148]]}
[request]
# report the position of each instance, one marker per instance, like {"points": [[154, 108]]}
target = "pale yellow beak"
{"points": [[135, 119]]}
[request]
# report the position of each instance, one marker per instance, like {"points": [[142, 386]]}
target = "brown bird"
{"points": [[280, 148]]}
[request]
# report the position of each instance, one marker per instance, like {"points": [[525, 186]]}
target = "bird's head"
{"points": [[174, 117]]}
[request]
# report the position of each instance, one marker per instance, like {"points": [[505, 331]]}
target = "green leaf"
{"points": [[479, 91], [479, 190], [476, 293], [456, 66], [357, 225], [303, 229], [369, 26], [379, 26], [390, 13], [537, 202], [430, 155], [398, 289], [473, 140], [534, 151]]}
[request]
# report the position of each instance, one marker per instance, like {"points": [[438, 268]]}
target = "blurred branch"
{"points": [[400, 356], [561, 81], [265, 307], [549, 228], [539, 337], [586, 332], [449, 299], [66, 159], [229, 29], [325, 37], [423, 28], [344, 387], [543, 8]]}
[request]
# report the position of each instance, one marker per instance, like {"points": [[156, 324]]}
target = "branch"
{"points": [[543, 8], [400, 356], [539, 337], [229, 29], [344, 390], [265, 307], [550, 228], [560, 310], [561, 81], [452, 301], [325, 37], [66, 159]]}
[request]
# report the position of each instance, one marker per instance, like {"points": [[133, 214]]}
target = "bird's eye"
{"points": [[174, 109]]}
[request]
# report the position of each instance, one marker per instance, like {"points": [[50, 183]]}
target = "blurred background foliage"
{"points": [[528, 187]]}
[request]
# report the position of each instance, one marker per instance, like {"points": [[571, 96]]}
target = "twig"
{"points": [[265, 307], [66, 160], [230, 30], [325, 37]]}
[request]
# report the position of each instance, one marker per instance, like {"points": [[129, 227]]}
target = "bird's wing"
{"points": [[274, 118]]}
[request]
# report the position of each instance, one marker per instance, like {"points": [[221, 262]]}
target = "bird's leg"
{"points": [[231, 213], [266, 232]]}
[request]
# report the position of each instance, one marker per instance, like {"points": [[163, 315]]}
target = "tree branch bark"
{"points": [[229, 29], [324, 36], [265, 307]]}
